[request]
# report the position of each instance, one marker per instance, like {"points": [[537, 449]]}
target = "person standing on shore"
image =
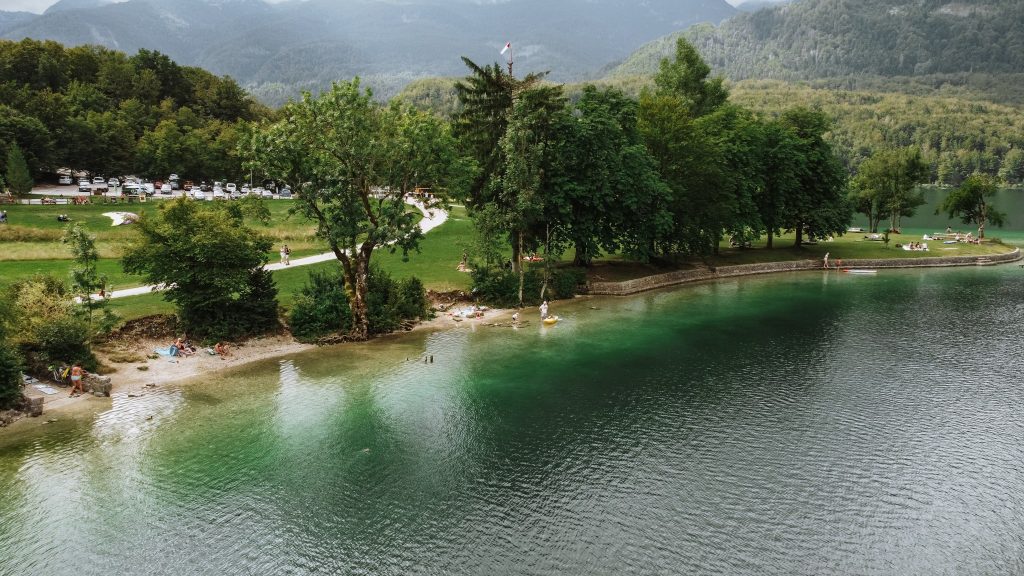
{"points": [[544, 310], [76, 380], [825, 265]]}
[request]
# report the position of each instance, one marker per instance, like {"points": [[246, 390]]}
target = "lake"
{"points": [[805, 423]]}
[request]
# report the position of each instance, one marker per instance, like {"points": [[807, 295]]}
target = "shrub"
{"points": [[500, 287], [45, 325], [10, 377], [321, 307], [565, 282]]}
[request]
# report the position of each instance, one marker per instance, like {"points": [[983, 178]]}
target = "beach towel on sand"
{"points": [[171, 350]]}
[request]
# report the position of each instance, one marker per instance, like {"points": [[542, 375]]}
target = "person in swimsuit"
{"points": [[76, 379]]}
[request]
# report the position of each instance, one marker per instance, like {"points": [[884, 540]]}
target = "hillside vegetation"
{"points": [[101, 111], [962, 49], [830, 38], [275, 50], [956, 136]]}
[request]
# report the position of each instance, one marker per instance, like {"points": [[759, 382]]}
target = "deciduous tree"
{"points": [[971, 202], [212, 266], [353, 162]]}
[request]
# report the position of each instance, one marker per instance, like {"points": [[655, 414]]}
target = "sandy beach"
{"points": [[134, 377]]}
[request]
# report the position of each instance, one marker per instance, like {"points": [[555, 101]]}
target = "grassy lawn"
{"points": [[31, 244], [853, 246]]}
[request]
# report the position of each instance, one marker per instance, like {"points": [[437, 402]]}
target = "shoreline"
{"points": [[133, 377]]}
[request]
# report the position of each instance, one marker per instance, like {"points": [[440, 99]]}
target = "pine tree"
{"points": [[18, 178]]}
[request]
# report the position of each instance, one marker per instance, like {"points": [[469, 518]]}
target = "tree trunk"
{"points": [[799, 235], [771, 237], [522, 269], [517, 252], [360, 314]]}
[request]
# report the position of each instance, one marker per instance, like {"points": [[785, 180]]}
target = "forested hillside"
{"points": [[969, 46], [101, 111], [276, 50]]}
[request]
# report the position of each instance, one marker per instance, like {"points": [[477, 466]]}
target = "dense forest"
{"points": [[103, 112], [956, 136]]}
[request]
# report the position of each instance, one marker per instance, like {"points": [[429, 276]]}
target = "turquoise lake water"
{"points": [[806, 423]]}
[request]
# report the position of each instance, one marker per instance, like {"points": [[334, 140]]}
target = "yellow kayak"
{"points": [[551, 320]]}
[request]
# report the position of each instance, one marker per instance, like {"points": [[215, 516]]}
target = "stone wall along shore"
{"points": [[686, 276]]}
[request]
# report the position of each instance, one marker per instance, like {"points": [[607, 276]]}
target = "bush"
{"points": [[500, 287], [10, 377], [46, 326], [566, 282], [322, 308], [64, 340]]}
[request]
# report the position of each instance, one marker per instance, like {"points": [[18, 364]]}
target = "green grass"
{"points": [[853, 246], [440, 252]]}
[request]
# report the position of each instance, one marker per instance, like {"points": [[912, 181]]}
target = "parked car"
{"points": [[113, 183], [266, 194], [131, 188], [175, 185], [165, 189], [246, 190], [65, 180], [218, 192], [173, 177], [84, 186], [188, 185], [285, 194], [148, 188], [198, 194]]}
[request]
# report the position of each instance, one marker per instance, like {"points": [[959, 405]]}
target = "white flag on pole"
{"points": [[508, 46]]}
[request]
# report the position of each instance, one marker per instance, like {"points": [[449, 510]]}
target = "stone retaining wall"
{"points": [[685, 276]]}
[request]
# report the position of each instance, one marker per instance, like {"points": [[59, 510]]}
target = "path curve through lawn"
{"points": [[432, 218]]}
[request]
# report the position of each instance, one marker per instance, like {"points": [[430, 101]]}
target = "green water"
{"points": [[796, 424]]}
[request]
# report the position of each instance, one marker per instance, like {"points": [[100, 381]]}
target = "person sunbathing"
{"points": [[183, 350]]}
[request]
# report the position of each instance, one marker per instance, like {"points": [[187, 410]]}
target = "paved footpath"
{"points": [[432, 218]]}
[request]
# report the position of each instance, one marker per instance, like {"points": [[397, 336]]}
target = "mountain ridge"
{"points": [[306, 45]]}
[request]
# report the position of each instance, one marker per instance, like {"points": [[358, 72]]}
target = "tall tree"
{"points": [[354, 162], [890, 178], [19, 180], [486, 97], [85, 279], [689, 156], [820, 208], [971, 202], [687, 76], [604, 192]]}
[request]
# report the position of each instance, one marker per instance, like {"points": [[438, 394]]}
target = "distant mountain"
{"points": [[810, 39], [755, 5], [11, 19], [275, 49], [64, 5]]}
